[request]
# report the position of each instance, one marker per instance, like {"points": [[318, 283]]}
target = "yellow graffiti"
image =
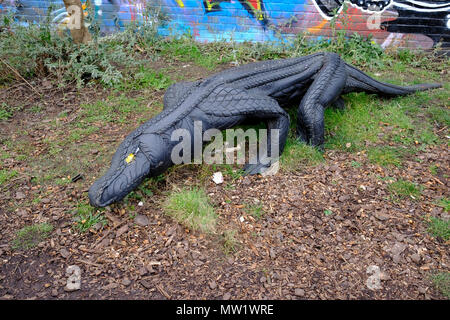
{"points": [[210, 5], [254, 6], [180, 3], [317, 28], [258, 12]]}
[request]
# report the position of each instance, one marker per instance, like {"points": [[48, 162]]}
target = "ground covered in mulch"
{"points": [[315, 233]]}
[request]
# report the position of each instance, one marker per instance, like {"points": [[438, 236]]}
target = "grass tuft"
{"points": [[440, 115], [402, 189], [385, 156], [299, 155], [146, 78], [5, 112], [191, 208], [230, 243], [441, 281], [87, 216], [439, 228], [6, 175], [255, 210], [30, 236], [445, 204]]}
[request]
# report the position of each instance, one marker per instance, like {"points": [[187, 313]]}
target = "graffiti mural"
{"points": [[254, 7], [433, 23], [430, 18], [111, 15], [240, 20], [403, 23]]}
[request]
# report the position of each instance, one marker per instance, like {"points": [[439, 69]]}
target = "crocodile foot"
{"points": [[270, 168]]}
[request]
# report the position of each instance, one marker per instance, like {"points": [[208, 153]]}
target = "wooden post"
{"points": [[78, 30]]}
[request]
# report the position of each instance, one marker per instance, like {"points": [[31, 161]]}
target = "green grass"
{"points": [[35, 109], [66, 151], [434, 170], [206, 171], [445, 204], [210, 55], [146, 189], [298, 155], [439, 228], [439, 114], [385, 156], [4, 155], [64, 160], [356, 164], [77, 135], [152, 79], [402, 189], [30, 236], [368, 118], [5, 112], [146, 78], [86, 216], [356, 49], [114, 108], [441, 281], [228, 170], [255, 210], [353, 126], [6, 175], [185, 49], [191, 208]]}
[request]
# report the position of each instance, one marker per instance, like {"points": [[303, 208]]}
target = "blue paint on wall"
{"points": [[240, 20]]}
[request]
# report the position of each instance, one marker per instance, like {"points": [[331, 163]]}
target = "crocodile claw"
{"points": [[269, 168]]}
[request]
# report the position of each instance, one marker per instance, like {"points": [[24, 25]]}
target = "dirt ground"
{"points": [[293, 251]]}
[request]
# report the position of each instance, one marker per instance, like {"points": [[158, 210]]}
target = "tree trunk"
{"points": [[78, 30]]}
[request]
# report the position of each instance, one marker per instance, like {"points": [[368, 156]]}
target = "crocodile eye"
{"points": [[129, 158]]}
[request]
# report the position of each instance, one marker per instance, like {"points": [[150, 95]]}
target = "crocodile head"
{"points": [[135, 159]]}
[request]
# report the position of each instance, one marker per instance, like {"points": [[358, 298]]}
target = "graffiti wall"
{"points": [[402, 23]]}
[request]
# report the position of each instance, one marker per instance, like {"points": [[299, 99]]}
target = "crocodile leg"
{"points": [[279, 122], [234, 103], [325, 89], [339, 104]]}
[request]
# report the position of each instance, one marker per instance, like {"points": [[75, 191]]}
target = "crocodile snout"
{"points": [[120, 180]]}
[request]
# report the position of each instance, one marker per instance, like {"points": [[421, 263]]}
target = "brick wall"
{"points": [[402, 23]]}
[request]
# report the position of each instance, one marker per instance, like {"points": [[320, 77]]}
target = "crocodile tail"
{"points": [[358, 81]]}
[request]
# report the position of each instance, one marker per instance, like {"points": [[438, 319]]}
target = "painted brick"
{"points": [[410, 23]]}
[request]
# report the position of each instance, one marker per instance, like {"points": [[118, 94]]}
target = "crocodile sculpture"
{"points": [[226, 99]]}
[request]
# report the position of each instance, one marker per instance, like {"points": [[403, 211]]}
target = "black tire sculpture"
{"points": [[227, 99]]}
